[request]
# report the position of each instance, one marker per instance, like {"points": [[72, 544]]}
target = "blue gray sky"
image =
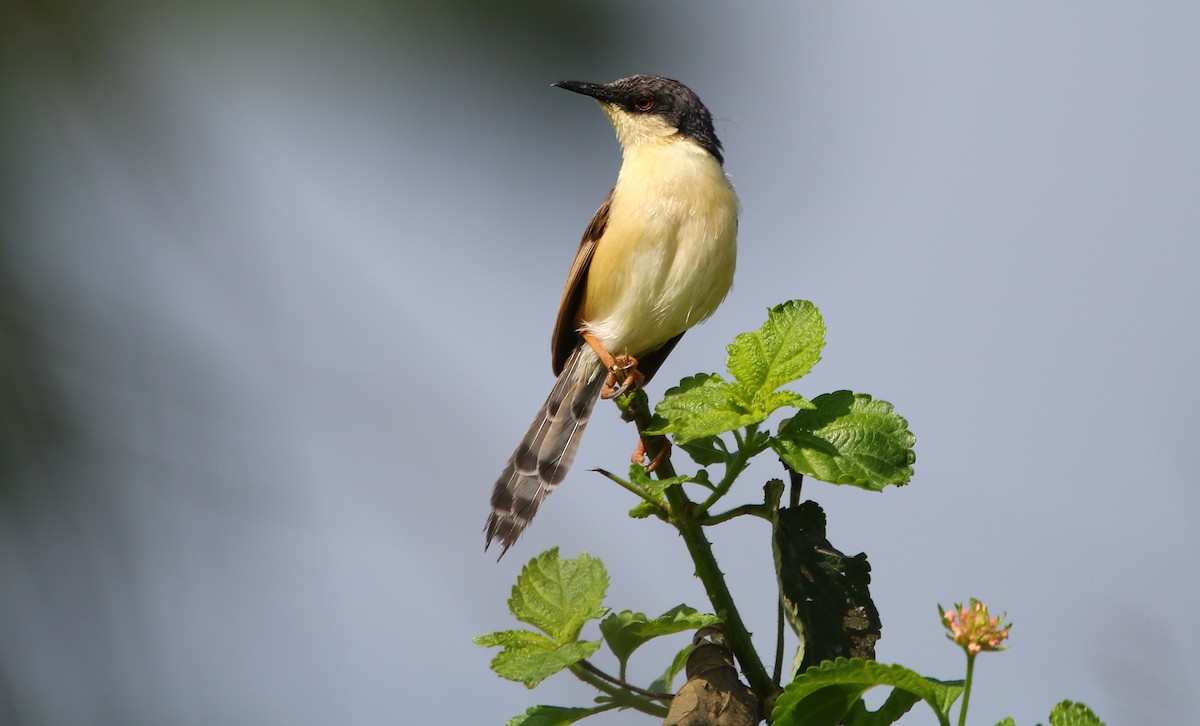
{"points": [[282, 278]]}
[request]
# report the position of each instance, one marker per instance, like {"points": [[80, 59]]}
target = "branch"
{"points": [[590, 668], [654, 503], [682, 515], [618, 694], [754, 510]]}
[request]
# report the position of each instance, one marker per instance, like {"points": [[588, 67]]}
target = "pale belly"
{"points": [[666, 259]]}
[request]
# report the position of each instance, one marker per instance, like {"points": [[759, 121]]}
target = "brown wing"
{"points": [[566, 335]]}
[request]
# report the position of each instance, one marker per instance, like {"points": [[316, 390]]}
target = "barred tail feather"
{"points": [[545, 453]]}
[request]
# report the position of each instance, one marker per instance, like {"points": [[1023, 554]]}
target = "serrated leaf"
{"points": [[521, 639], [666, 682], [826, 594], [1070, 713], [848, 438], [530, 657], [558, 596], [626, 631], [531, 667], [703, 405], [784, 349], [1007, 722], [774, 400], [554, 715], [824, 694]]}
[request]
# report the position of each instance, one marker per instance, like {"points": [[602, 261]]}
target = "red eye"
{"points": [[644, 103]]}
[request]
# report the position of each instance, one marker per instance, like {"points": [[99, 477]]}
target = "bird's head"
{"points": [[652, 108]]}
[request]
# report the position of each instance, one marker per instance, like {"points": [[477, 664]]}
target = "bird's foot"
{"points": [[623, 377], [623, 374], [664, 453]]}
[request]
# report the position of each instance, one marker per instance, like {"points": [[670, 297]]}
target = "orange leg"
{"points": [[664, 453], [623, 375]]}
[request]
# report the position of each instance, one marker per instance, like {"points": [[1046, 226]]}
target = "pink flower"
{"points": [[974, 628]]}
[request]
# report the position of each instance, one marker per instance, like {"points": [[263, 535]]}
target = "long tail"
{"points": [[545, 454]]}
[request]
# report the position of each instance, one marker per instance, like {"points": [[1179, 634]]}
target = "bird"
{"points": [[657, 258]]}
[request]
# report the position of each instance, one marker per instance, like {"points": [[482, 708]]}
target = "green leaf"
{"points": [[943, 693], [644, 509], [771, 401], [651, 491], [653, 488], [703, 405], [666, 682], [701, 478], [558, 596], [897, 704], [784, 349], [1007, 722], [705, 451], [824, 695], [1070, 713], [848, 438], [626, 631], [826, 595], [554, 715], [530, 657]]}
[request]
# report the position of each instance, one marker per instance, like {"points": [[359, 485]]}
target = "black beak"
{"points": [[595, 90]]}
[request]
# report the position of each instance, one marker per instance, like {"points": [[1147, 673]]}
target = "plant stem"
{"points": [[962, 714], [772, 493], [754, 510], [797, 480], [620, 695], [748, 447], [778, 672], [718, 593], [633, 489], [683, 517], [590, 668]]}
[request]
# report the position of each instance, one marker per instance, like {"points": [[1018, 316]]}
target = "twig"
{"points": [[590, 668], [778, 672], [619, 695], [628, 486], [797, 481], [755, 510]]}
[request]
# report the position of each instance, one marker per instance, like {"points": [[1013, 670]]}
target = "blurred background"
{"points": [[277, 282]]}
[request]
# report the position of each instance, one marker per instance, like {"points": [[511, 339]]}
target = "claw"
{"points": [[611, 390], [623, 377], [639, 454]]}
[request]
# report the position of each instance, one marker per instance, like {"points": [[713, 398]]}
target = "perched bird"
{"points": [[657, 258]]}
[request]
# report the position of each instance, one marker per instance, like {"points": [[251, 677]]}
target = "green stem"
{"points": [[772, 493], [620, 695], [777, 674], [748, 448], [962, 715], [621, 683], [683, 517], [755, 510], [718, 593], [634, 489]]}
